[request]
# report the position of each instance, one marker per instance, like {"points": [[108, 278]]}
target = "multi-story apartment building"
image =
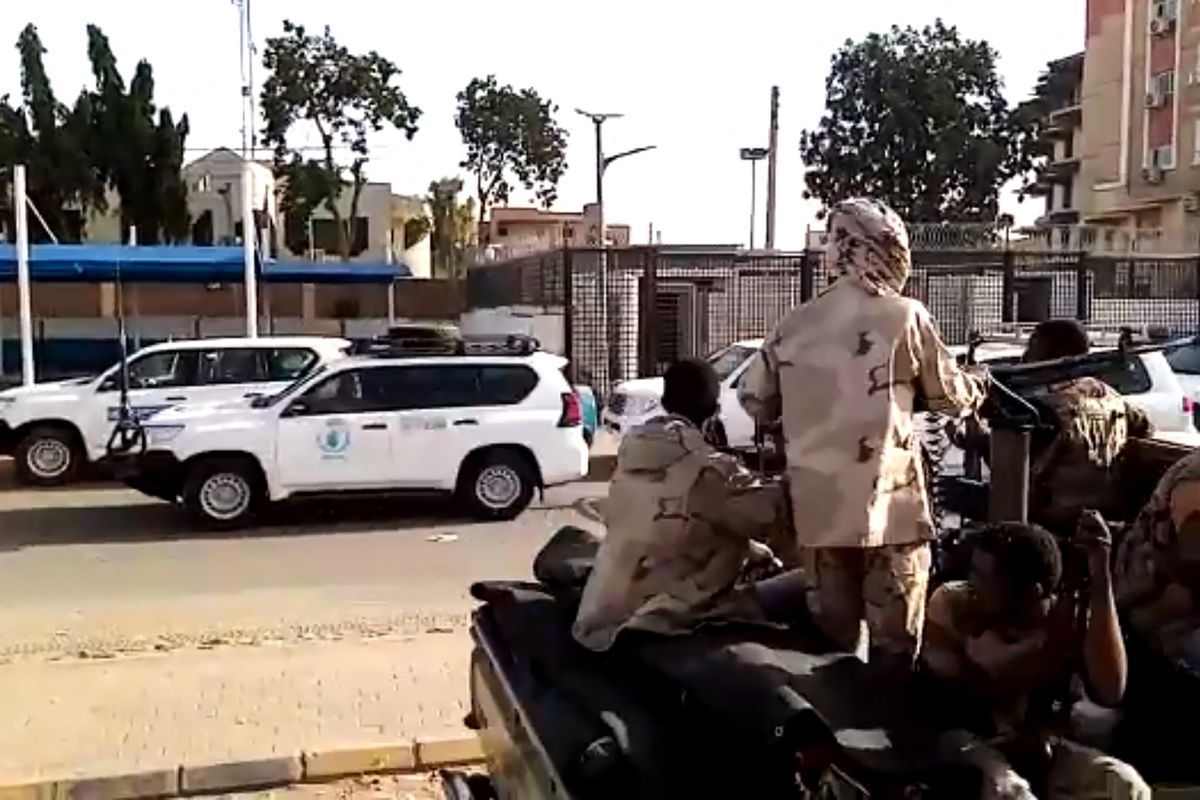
{"points": [[1140, 145], [1059, 180]]}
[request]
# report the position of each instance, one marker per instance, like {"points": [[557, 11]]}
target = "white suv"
{"points": [[489, 429], [54, 429], [1146, 381]]}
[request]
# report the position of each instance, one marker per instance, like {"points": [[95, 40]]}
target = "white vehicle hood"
{"points": [[203, 421], [56, 392]]}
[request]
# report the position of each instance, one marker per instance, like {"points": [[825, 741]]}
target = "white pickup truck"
{"points": [[53, 430]]}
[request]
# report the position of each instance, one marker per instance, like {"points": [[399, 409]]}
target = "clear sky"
{"points": [[692, 78]]}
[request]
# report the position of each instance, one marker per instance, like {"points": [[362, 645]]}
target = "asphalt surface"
{"points": [[97, 571]]}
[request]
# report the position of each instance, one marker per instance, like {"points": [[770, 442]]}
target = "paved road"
{"points": [[129, 641], [101, 570]]}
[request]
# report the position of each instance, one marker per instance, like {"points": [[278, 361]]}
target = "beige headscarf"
{"points": [[869, 244]]}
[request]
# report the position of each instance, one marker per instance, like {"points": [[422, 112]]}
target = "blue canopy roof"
{"points": [[179, 264]]}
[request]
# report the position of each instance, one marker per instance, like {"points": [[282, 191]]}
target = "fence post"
{"points": [[808, 268], [647, 318], [1083, 306], [1008, 286], [569, 315]]}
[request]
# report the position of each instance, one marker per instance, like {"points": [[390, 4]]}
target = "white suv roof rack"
{"points": [[512, 344]]}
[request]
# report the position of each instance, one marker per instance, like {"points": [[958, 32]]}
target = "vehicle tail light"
{"points": [[572, 411], [1188, 405]]}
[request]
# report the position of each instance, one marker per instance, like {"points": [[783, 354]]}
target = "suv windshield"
{"points": [[725, 362]]}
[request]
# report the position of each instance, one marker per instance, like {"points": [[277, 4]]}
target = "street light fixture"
{"points": [[603, 162], [753, 155]]}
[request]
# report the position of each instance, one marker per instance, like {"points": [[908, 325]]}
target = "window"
{"points": [[1127, 378], [433, 386], [505, 385], [240, 365], [502, 230], [338, 394], [724, 362], [163, 370], [287, 364], [1185, 359]]}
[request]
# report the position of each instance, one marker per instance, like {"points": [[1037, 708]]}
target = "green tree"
{"points": [[54, 142], [916, 118], [510, 133], [138, 149], [315, 81], [453, 227]]}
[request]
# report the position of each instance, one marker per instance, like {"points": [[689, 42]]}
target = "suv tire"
{"points": [[223, 493], [49, 455], [497, 485]]}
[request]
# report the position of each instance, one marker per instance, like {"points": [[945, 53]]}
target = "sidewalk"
{"points": [[85, 717]]}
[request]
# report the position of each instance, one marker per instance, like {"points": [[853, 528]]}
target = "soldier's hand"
{"points": [[1094, 538]]}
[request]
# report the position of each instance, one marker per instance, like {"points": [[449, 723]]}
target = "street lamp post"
{"points": [[602, 164], [753, 155]]}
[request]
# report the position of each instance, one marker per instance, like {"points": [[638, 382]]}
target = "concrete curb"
{"points": [[422, 754]]}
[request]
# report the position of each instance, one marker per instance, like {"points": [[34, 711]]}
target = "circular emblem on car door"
{"points": [[334, 439]]}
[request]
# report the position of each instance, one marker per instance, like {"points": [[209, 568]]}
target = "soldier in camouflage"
{"points": [[846, 371], [682, 521], [1157, 567], [1076, 468]]}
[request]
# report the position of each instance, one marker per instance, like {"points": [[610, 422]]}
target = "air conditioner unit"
{"points": [[1191, 203], [1158, 26], [1154, 99], [1153, 174]]}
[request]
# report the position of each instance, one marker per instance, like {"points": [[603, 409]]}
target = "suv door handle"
{"points": [[375, 426], [179, 398], [466, 421]]}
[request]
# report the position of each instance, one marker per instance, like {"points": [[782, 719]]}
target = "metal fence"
{"points": [[669, 302]]}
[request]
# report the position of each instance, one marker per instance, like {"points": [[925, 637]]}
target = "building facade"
{"points": [[1059, 181], [513, 232], [1140, 103]]}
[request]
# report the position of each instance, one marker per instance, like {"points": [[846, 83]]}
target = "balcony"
{"points": [[1068, 116]]}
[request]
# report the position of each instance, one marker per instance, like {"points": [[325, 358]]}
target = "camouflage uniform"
{"points": [[1157, 557], [1077, 470], [680, 516], [845, 371], [1075, 771]]}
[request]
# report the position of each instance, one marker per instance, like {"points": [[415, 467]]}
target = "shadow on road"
{"points": [[32, 527]]}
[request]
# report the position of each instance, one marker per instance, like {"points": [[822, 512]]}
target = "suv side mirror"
{"points": [[298, 408]]}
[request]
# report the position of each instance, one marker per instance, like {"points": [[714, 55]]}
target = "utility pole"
{"points": [[602, 164], [246, 62], [772, 163], [753, 155], [24, 304]]}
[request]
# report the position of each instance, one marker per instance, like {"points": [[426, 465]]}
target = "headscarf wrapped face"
{"points": [[868, 243]]}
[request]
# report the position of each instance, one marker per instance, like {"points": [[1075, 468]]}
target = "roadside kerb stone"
{"points": [[258, 774], [329, 764], [152, 783], [426, 753]]}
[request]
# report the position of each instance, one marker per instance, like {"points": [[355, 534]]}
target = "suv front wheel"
{"points": [[48, 456], [497, 485], [223, 493]]}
